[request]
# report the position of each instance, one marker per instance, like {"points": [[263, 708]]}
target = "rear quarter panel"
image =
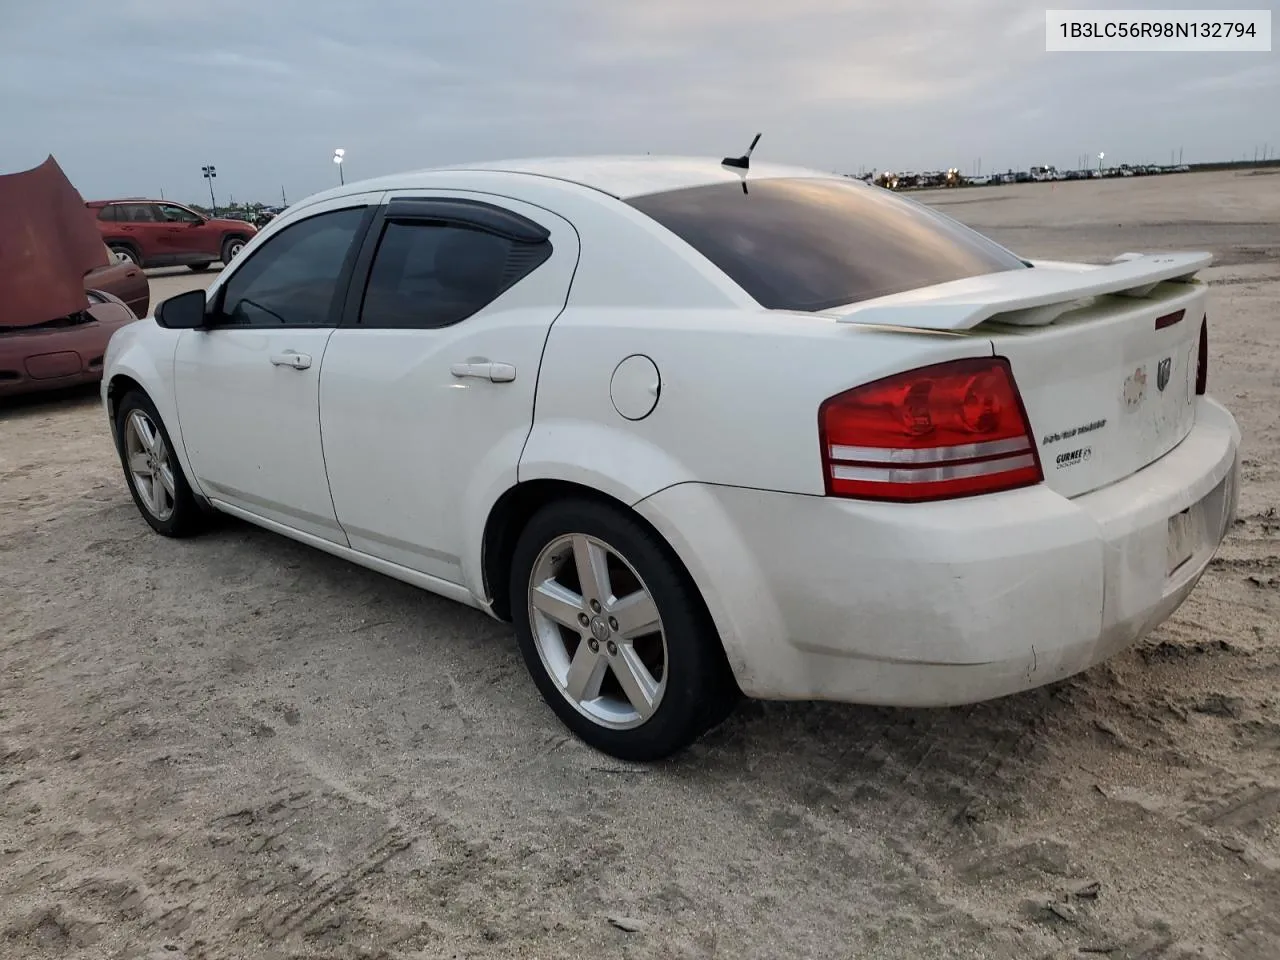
{"points": [[123, 281], [738, 401], [740, 385]]}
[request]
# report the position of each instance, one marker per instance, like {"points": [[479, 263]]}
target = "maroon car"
{"points": [[159, 233], [62, 352], [62, 295], [122, 279]]}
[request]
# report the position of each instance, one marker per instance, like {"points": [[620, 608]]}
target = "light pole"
{"points": [[209, 174], [1100, 156], [338, 156]]}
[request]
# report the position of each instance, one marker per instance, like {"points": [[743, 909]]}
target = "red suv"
{"points": [[156, 233]]}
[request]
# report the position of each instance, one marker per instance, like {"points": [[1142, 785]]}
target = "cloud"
{"points": [[134, 96]]}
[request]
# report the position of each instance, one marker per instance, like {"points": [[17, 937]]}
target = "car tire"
{"points": [[123, 252], [169, 507], [231, 248], [587, 673], [199, 267]]}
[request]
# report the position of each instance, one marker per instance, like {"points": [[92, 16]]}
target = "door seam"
{"points": [[320, 427]]}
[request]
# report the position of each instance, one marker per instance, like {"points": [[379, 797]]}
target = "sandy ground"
{"points": [[235, 747]]}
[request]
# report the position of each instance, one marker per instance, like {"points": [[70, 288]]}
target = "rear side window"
{"points": [[107, 213], [813, 244], [135, 213], [428, 274]]}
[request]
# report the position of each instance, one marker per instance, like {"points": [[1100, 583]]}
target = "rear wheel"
{"points": [[125, 254], [199, 267], [614, 632], [151, 469], [231, 248]]}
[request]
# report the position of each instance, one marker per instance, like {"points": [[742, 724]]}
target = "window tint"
{"points": [[429, 274], [135, 212], [811, 244], [174, 214], [292, 278], [107, 213]]}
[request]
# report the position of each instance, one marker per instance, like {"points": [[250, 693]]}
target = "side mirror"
{"points": [[186, 311]]}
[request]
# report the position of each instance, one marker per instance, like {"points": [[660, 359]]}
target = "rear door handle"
{"points": [[484, 370], [299, 361]]}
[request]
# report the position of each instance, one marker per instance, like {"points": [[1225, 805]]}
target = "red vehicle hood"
{"points": [[244, 226], [49, 242]]}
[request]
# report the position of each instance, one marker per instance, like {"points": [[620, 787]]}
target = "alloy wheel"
{"points": [[150, 465], [598, 632]]}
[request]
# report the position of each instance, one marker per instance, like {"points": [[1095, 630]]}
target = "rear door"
{"points": [[426, 396], [139, 223]]}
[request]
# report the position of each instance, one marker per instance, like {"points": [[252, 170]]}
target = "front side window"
{"points": [[813, 244], [175, 214], [428, 274], [291, 280]]}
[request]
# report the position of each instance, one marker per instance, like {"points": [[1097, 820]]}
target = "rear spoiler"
{"points": [[1034, 297]]}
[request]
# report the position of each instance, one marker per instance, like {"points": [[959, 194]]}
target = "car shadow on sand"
{"points": [[938, 768]]}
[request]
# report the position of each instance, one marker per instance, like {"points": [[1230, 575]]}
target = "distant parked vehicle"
{"points": [[154, 233], [67, 350], [124, 281], [62, 295]]}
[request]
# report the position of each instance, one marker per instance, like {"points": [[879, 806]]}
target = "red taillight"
{"points": [[950, 430], [1202, 361]]}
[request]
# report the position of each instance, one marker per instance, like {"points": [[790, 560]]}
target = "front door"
{"points": [[426, 396], [186, 237], [247, 387]]}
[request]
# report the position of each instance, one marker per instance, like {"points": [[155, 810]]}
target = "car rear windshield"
{"points": [[812, 244]]}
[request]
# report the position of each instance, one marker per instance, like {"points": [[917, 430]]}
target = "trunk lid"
{"points": [[1104, 356], [1106, 389]]}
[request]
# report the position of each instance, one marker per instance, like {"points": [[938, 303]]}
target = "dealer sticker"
{"points": [[1069, 458]]}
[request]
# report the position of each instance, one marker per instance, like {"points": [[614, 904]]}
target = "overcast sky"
{"points": [[133, 96]]}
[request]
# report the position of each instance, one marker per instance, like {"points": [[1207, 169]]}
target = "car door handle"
{"points": [[495, 372], [299, 361]]}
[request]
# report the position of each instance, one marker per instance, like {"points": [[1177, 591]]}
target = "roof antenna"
{"points": [[743, 162]]}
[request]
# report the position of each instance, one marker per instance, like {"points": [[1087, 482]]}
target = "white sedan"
{"points": [[698, 430]]}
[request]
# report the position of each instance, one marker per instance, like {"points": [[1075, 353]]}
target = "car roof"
{"points": [[623, 177], [107, 203]]}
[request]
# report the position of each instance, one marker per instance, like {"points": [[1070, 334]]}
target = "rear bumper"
{"points": [[948, 603]]}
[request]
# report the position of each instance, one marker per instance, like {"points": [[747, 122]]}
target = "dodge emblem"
{"points": [[1162, 373], [1135, 387]]}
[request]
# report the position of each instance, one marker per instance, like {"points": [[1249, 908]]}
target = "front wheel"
{"points": [[199, 267], [615, 634], [152, 471]]}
